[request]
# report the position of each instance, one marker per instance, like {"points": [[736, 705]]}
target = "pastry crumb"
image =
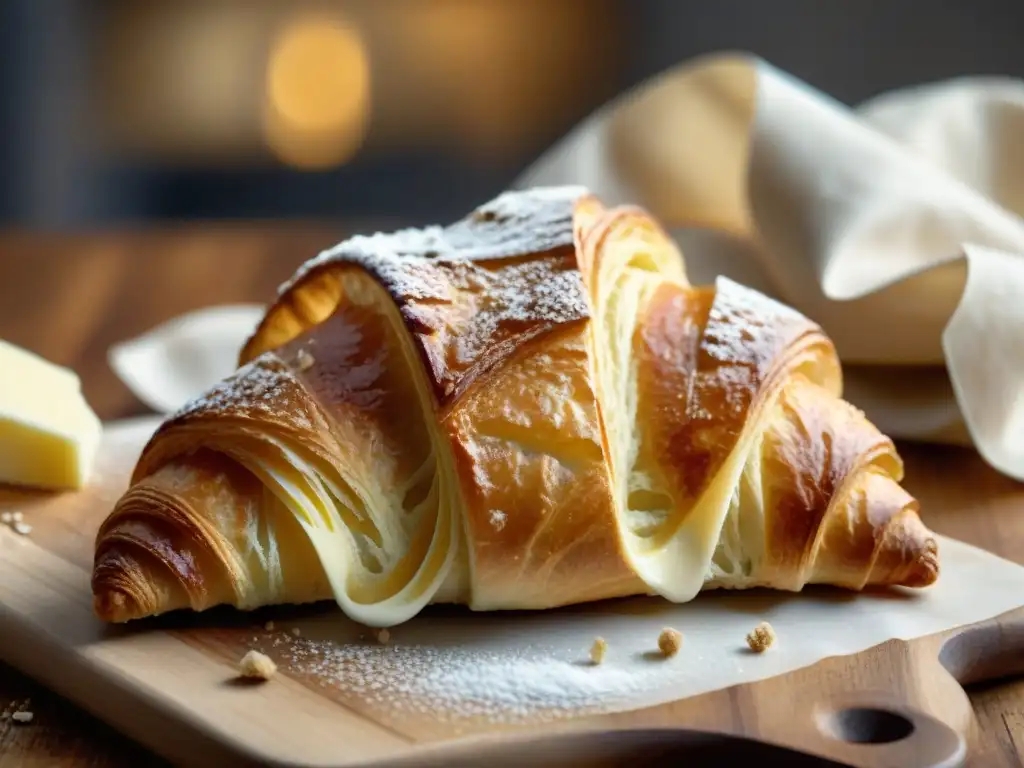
{"points": [[762, 638], [21, 528], [6, 518], [383, 636], [598, 650], [670, 641], [22, 716], [296, 631], [304, 360], [17, 516], [258, 666], [269, 626]]}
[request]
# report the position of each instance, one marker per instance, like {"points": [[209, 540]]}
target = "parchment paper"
{"points": [[511, 667], [529, 666]]}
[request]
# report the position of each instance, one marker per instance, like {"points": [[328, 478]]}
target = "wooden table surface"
{"points": [[70, 297]]}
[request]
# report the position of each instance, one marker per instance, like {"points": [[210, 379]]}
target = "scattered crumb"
{"points": [[762, 638], [296, 631], [15, 521], [383, 636], [597, 650], [257, 665], [670, 641], [304, 360], [22, 717], [269, 626]]}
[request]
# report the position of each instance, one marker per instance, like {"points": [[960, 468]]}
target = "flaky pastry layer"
{"points": [[530, 408]]}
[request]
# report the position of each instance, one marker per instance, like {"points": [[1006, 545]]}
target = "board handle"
{"points": [[630, 748], [865, 731], [986, 652], [877, 728], [872, 729]]}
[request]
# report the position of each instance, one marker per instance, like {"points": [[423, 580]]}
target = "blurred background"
{"points": [[121, 113]]}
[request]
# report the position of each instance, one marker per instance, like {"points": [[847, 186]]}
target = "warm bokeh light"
{"points": [[223, 83], [317, 92]]}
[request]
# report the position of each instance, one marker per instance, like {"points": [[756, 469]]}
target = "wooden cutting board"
{"points": [[172, 684]]}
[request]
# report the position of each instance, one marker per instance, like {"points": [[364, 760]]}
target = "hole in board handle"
{"points": [[867, 725]]}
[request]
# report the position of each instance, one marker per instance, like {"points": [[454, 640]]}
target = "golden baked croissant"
{"points": [[529, 408]]}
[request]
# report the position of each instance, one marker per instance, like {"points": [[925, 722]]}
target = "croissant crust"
{"points": [[529, 408]]}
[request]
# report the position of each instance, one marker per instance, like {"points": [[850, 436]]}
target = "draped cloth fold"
{"points": [[895, 225]]}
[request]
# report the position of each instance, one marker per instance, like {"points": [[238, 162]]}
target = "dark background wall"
{"points": [[58, 173]]}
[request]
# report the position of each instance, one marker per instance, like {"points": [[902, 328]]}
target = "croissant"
{"points": [[529, 408]]}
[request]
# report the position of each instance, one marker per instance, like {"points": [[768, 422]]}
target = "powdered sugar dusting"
{"points": [[409, 243], [748, 327], [470, 290], [518, 222], [453, 685], [463, 310], [474, 669], [745, 334], [258, 387], [514, 224], [498, 518], [494, 303]]}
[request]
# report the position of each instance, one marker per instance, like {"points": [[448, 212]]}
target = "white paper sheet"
{"points": [[522, 667], [451, 664]]}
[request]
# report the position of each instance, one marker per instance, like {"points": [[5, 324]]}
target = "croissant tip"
{"points": [[115, 607], [924, 571]]}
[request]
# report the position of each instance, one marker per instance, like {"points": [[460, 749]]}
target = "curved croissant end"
{"points": [[529, 408], [197, 533], [736, 462], [354, 481]]}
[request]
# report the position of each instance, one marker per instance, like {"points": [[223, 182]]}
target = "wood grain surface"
{"points": [[70, 297], [340, 698]]}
